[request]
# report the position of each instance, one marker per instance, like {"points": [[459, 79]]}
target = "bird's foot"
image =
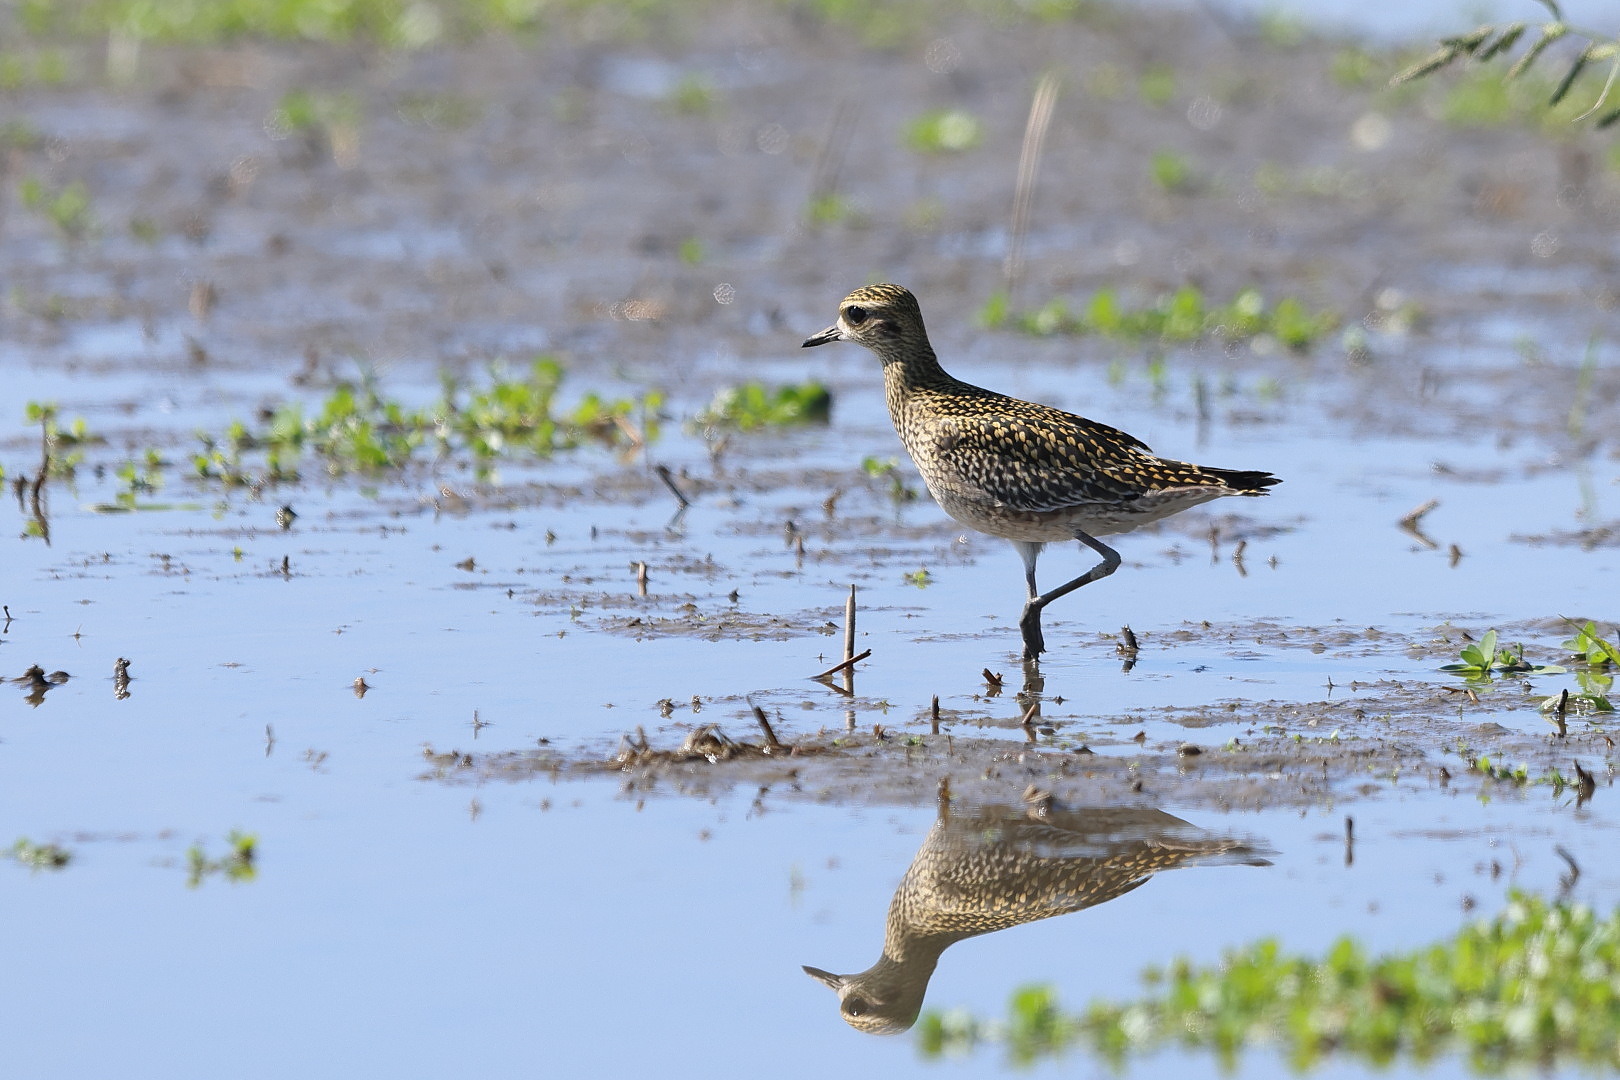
{"points": [[1030, 624]]}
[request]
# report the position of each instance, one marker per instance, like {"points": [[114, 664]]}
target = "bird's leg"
{"points": [[1030, 623]]}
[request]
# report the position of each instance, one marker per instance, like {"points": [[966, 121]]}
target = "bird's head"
{"points": [[881, 1001], [884, 318]]}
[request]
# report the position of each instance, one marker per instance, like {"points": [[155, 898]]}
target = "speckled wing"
{"points": [[1037, 460]]}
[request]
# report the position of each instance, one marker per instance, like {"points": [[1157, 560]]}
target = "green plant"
{"points": [[1537, 986], [1172, 171], [944, 131], [1182, 316], [694, 95], [334, 119], [40, 856], [1594, 679], [42, 68], [139, 478], [1590, 647], [238, 864], [889, 469], [1483, 659], [751, 406], [830, 209], [67, 208], [61, 448], [1157, 85], [920, 578]]}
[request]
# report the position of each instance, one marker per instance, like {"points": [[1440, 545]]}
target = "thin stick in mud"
{"points": [[765, 726], [674, 489], [843, 664], [849, 624]]}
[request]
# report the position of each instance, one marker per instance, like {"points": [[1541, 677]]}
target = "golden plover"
{"points": [[1028, 473]]}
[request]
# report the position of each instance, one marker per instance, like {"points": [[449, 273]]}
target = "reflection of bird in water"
{"points": [[1028, 473], [996, 867], [38, 683]]}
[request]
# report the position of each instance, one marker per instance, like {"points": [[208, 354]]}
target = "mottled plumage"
{"points": [[993, 868], [1016, 469]]}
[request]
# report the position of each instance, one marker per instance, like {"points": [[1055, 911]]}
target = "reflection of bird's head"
{"points": [[871, 1003]]}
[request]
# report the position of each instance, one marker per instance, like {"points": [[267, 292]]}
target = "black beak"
{"points": [[832, 333], [826, 978]]}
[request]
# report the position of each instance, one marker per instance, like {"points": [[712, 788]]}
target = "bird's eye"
{"points": [[855, 1007], [854, 315]]}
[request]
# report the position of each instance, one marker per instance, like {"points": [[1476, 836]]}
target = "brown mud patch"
{"points": [[1379, 739]]}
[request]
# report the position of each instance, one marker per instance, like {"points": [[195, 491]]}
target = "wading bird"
{"points": [[1028, 473]]}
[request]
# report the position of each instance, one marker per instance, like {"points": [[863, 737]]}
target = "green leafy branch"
{"points": [[1489, 41]]}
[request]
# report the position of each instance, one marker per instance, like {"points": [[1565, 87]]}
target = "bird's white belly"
{"points": [[1050, 526]]}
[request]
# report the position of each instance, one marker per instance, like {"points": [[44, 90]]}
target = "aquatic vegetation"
{"points": [[944, 131], [67, 208], [889, 469], [61, 449], [1157, 85], [23, 69], [391, 22], [1182, 316], [358, 430], [139, 478], [1537, 985], [694, 95], [1594, 678], [237, 865], [405, 24], [40, 856], [1589, 646], [1173, 172], [750, 406], [328, 122], [1483, 659], [1355, 67], [831, 209]]}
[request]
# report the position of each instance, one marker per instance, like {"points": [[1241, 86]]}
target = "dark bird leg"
{"points": [[1030, 622]]}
